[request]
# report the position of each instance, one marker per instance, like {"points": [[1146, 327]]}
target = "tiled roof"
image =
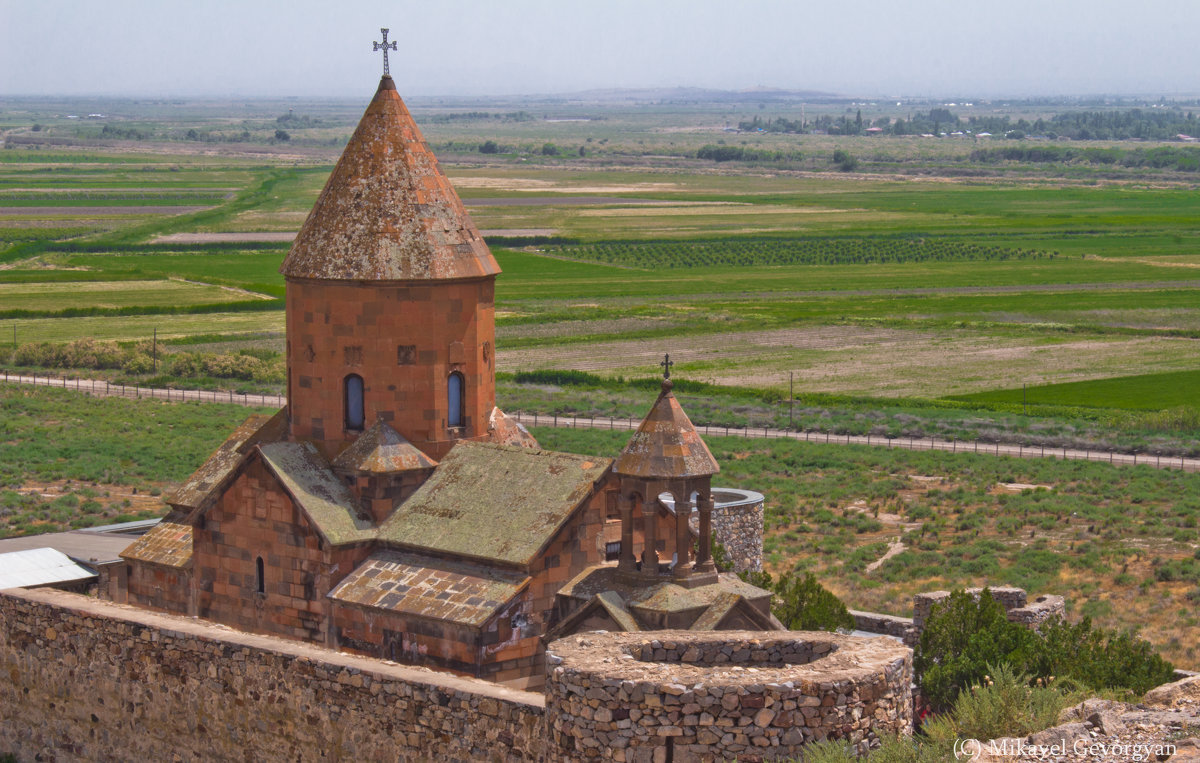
{"points": [[382, 450], [387, 212], [212, 474], [318, 492], [494, 502], [725, 604], [435, 589], [666, 445], [168, 543], [505, 430]]}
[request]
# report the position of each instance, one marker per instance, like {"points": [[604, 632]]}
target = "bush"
{"points": [[489, 147], [966, 640], [802, 603], [962, 638], [1100, 659], [844, 160], [1005, 704]]}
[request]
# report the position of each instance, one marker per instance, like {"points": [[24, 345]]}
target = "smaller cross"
{"points": [[384, 47], [666, 366]]}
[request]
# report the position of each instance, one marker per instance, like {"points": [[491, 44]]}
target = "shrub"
{"points": [[962, 637], [1099, 658], [802, 603], [1005, 704]]}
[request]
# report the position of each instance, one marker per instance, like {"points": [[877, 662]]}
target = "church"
{"points": [[391, 509]]}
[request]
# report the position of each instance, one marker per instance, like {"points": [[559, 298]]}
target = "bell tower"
{"points": [[390, 306]]}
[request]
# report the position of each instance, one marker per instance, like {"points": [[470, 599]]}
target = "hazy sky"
{"points": [[856, 47]]}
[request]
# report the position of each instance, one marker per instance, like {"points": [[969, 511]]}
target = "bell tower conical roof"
{"points": [[387, 212], [666, 445]]}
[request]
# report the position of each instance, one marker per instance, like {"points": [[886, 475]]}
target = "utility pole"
{"points": [[154, 352], [791, 399], [1025, 398]]}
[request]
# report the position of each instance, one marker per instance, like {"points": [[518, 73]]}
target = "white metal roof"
{"points": [[38, 566]]}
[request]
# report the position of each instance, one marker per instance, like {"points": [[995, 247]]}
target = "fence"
{"points": [[106, 389], [98, 387], [905, 443]]}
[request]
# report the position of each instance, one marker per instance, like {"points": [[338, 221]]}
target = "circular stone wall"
{"points": [[685, 695], [737, 524]]}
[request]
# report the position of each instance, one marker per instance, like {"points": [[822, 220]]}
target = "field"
{"points": [[1120, 543], [928, 287]]}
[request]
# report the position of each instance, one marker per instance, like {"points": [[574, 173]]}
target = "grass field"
{"points": [[1144, 391], [1120, 544]]}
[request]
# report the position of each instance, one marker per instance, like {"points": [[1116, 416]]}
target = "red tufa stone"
{"points": [[387, 212], [666, 445]]}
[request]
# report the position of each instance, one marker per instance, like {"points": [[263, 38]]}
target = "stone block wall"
{"points": [[684, 695], [1012, 599], [82, 679]]}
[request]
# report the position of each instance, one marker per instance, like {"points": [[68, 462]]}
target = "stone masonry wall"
{"points": [[686, 696], [1012, 599], [740, 530], [82, 679]]}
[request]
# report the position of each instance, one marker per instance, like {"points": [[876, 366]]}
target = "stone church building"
{"points": [[390, 508]]}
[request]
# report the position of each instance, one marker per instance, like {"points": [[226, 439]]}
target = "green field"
{"points": [[928, 273], [1146, 392]]}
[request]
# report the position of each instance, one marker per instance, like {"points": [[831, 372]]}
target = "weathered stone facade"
{"points": [[89, 680], [738, 526], [85, 679], [683, 695]]}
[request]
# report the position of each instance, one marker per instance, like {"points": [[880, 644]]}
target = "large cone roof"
{"points": [[666, 445], [387, 212]]}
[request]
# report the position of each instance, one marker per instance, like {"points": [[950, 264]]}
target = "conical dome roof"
{"points": [[387, 212], [666, 445], [382, 450]]}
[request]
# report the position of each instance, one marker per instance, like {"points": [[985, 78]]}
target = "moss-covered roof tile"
{"points": [[168, 543], [494, 502], [434, 589], [212, 475], [318, 492], [382, 450]]}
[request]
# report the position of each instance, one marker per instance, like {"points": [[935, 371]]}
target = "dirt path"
{"points": [[895, 547], [102, 388]]}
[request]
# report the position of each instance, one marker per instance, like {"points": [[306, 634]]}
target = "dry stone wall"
{"points": [[82, 679], [683, 695]]}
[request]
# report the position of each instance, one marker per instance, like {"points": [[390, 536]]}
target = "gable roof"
{"points": [[168, 543], [608, 602], [323, 498], [726, 604], [436, 589], [382, 450], [494, 502], [206, 482], [387, 212], [666, 445]]}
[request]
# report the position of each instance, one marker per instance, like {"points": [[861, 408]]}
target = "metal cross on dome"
{"points": [[384, 47], [666, 366]]}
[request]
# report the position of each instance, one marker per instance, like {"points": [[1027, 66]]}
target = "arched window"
{"points": [[454, 388], [261, 578], [354, 402]]}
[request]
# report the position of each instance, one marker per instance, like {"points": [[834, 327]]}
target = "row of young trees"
{"points": [[1127, 124]]}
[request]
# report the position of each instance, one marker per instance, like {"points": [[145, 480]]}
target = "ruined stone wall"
{"points": [[684, 695], [1011, 598], [82, 679]]}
